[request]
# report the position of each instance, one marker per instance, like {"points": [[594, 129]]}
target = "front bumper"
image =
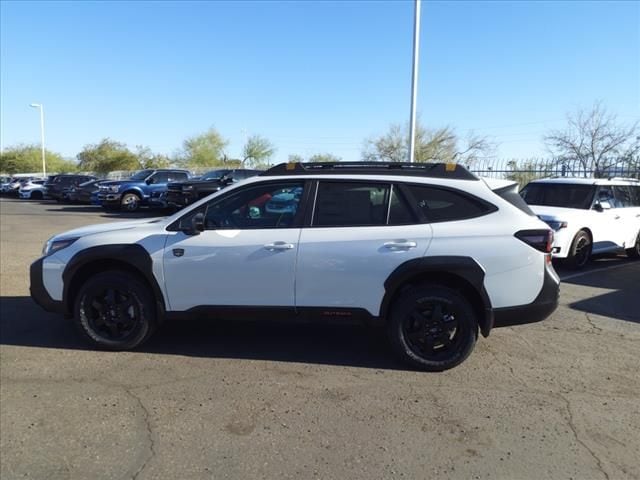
{"points": [[38, 291], [24, 195], [109, 198], [544, 305]]}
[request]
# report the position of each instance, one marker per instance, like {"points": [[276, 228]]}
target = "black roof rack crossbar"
{"points": [[434, 170]]}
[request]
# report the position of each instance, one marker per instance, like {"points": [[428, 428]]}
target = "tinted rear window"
{"points": [[444, 205], [565, 195]]}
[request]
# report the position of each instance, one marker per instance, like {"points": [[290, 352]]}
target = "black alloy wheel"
{"points": [[580, 250], [115, 310], [634, 252], [433, 327]]}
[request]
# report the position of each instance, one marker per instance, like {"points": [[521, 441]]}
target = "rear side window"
{"points": [[623, 195], [343, 204], [635, 195], [444, 205], [178, 176], [399, 211]]}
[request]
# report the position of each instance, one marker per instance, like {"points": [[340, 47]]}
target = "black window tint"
{"points": [[635, 195], [399, 211], [441, 205], [566, 195], [178, 176], [342, 204], [259, 206], [160, 177], [623, 195]]}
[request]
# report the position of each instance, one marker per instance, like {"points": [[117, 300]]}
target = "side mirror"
{"points": [[602, 206], [149, 181], [197, 223]]}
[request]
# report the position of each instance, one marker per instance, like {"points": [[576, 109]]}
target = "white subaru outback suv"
{"points": [[589, 216], [429, 250]]}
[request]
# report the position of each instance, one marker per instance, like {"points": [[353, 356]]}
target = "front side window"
{"points": [[444, 205], [259, 206], [141, 175], [346, 204]]}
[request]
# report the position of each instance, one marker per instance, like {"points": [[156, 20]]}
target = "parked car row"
{"points": [[161, 188]]}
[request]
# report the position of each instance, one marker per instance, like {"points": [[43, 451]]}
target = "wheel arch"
{"points": [[458, 272], [131, 258], [136, 191]]}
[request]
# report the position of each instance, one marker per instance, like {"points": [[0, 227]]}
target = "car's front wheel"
{"points": [[130, 202], [432, 327], [115, 310], [580, 250], [36, 195], [634, 252]]}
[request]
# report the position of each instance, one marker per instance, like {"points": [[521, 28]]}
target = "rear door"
{"points": [[608, 226], [628, 202], [358, 234]]}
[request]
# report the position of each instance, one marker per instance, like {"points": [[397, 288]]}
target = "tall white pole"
{"points": [[414, 81], [44, 163]]}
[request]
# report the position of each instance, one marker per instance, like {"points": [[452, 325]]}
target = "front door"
{"points": [[247, 254]]}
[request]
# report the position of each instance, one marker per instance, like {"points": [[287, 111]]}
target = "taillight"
{"points": [[541, 240]]}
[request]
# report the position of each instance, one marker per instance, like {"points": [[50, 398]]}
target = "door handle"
{"points": [[400, 245], [278, 246], [617, 217]]}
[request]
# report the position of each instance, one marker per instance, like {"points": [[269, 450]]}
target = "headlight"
{"points": [[187, 187], [557, 224], [52, 246], [113, 188]]}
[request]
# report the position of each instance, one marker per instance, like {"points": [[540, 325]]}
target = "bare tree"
{"points": [[596, 140], [257, 151], [432, 145]]}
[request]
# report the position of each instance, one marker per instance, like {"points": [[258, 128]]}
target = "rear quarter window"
{"points": [[439, 204]]}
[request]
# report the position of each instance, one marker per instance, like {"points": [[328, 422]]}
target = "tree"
{"points": [[324, 157], [295, 158], [257, 151], [107, 156], [28, 159], [596, 140], [442, 144], [148, 159], [204, 150], [525, 171]]}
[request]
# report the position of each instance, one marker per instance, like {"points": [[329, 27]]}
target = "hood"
{"points": [[116, 182], [215, 182], [108, 227], [559, 213]]}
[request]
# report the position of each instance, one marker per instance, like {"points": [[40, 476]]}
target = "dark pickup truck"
{"points": [[181, 194]]}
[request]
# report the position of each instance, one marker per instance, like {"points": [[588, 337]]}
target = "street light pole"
{"points": [[44, 164], [414, 81]]}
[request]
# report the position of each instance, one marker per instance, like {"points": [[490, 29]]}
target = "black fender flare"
{"points": [[134, 256], [462, 267]]}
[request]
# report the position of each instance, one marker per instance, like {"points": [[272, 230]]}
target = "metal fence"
{"points": [[530, 169]]}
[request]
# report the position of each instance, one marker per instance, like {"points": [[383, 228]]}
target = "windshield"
{"points": [[565, 195], [214, 174], [141, 175]]}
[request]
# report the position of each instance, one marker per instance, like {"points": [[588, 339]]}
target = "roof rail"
{"points": [[434, 170], [626, 179]]}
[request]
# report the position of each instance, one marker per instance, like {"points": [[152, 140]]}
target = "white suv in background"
{"points": [[589, 215], [429, 250]]}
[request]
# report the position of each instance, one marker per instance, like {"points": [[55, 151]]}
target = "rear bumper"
{"points": [[178, 199], [39, 293], [544, 305]]}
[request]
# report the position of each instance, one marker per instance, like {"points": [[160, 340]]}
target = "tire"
{"points": [[580, 251], [130, 202], [432, 328], [36, 196], [115, 310], [634, 252]]}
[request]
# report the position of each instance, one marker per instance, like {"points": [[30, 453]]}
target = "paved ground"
{"points": [[556, 400]]}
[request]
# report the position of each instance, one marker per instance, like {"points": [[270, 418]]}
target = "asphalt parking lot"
{"points": [[558, 399]]}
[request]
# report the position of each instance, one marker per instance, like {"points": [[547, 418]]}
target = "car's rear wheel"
{"points": [[130, 202], [634, 252], [432, 327], [580, 250], [115, 310]]}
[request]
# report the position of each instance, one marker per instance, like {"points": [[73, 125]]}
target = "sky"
{"points": [[311, 76]]}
